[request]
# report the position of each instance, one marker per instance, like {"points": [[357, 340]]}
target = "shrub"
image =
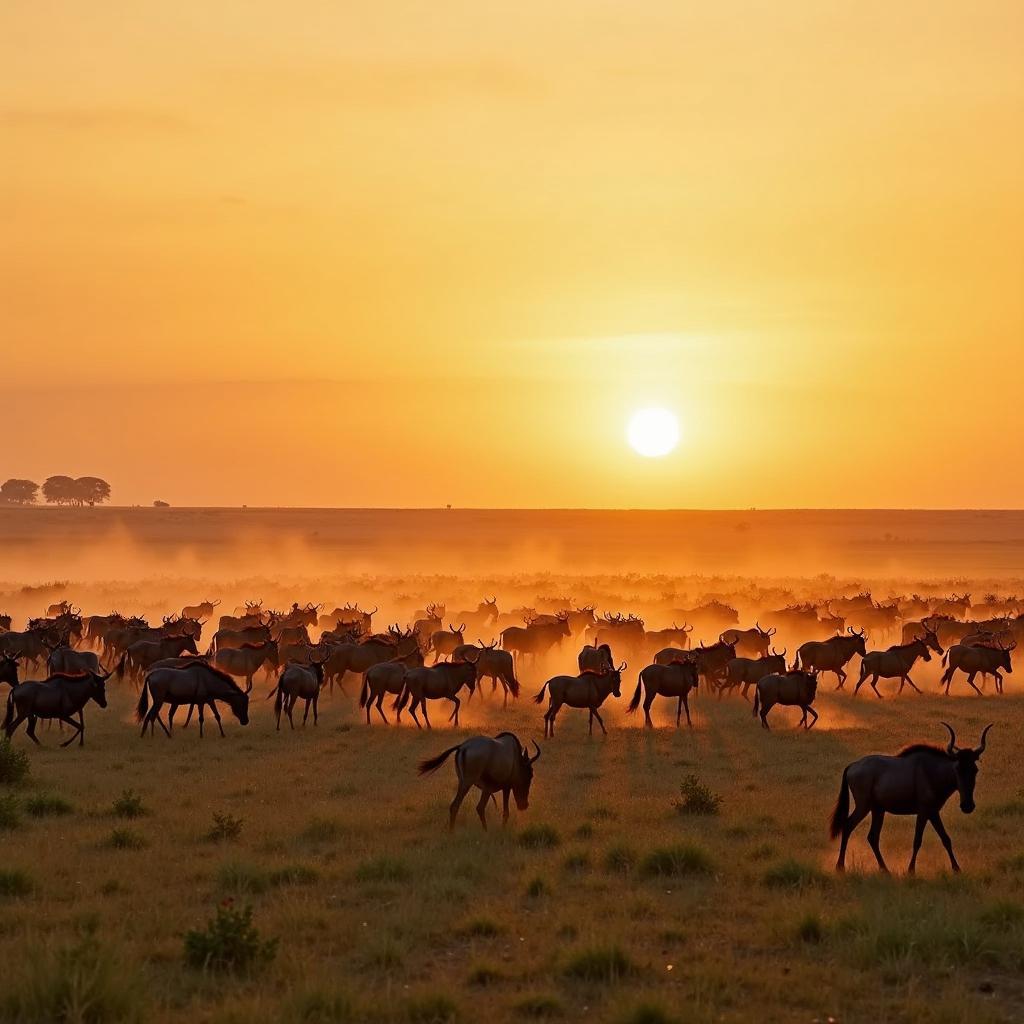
{"points": [[230, 942], [483, 975], [47, 805], [791, 874], [432, 1009], [673, 861], [539, 1007], [14, 883], [539, 837], [537, 888], [322, 830], [293, 874], [125, 839], [226, 827], [129, 805], [239, 877], [10, 818], [601, 964], [620, 859], [14, 764], [696, 798], [810, 929], [577, 863], [481, 928], [382, 869]]}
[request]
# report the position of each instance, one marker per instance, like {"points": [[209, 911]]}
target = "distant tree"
{"points": [[18, 492], [92, 490], [161, 504], [60, 490]]}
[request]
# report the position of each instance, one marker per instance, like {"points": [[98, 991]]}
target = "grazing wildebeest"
{"points": [[198, 684], [595, 658], [203, 610], [792, 689], [298, 682], [746, 672], [676, 680], [387, 677], [831, 655], [754, 640], [918, 780], [59, 696], [587, 690], [496, 765], [436, 682], [245, 661], [972, 660], [8, 670], [896, 662], [444, 641]]}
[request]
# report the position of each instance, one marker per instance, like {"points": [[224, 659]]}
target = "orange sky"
{"points": [[410, 253]]}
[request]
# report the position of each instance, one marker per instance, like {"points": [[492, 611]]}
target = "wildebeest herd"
{"points": [[171, 666]]}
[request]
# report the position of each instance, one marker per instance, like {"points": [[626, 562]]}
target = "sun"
{"points": [[653, 432]]}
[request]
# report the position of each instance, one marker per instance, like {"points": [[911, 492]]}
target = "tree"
{"points": [[92, 490], [18, 492], [60, 490]]}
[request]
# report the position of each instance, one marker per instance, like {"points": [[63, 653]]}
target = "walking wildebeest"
{"points": [[754, 640], [501, 764], [587, 690], [298, 682], [793, 689], [197, 684], [58, 697], [245, 661], [676, 680], [9, 670], [972, 660], [203, 610], [746, 672], [896, 662], [918, 780], [140, 655], [491, 663], [595, 658], [387, 677], [831, 655], [536, 639], [444, 641], [436, 682]]}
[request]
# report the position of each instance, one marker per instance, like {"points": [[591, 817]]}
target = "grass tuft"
{"points": [[431, 1009], [47, 805], [602, 964], [382, 869], [125, 839], [14, 883], [621, 860], [14, 764], [129, 805], [229, 943], [539, 1007], [226, 828], [10, 815], [539, 837], [791, 874], [696, 798], [675, 861]]}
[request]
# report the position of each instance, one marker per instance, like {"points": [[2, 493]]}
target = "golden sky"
{"points": [[382, 253]]}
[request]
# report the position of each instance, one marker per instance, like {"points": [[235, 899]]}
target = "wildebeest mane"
{"points": [[922, 748]]}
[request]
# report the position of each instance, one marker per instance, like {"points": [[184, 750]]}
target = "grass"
{"points": [[125, 839], [14, 764], [539, 1008], [696, 798], [14, 883], [676, 861], [47, 805], [602, 964], [382, 869], [792, 874], [129, 805], [539, 837], [10, 812]]}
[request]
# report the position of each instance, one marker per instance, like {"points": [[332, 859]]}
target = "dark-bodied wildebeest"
{"points": [[712, 661], [358, 657], [31, 645], [595, 658], [755, 640], [972, 660], [676, 680], [57, 697], [245, 661], [199, 685], [831, 655], [387, 677], [139, 656], [535, 640], [500, 765], [5, 623], [428, 623], [918, 780], [298, 682], [436, 682], [896, 662], [671, 655], [444, 641], [588, 690], [746, 672], [68, 661], [673, 636], [225, 638], [792, 689], [203, 610], [486, 614], [8, 670], [491, 663]]}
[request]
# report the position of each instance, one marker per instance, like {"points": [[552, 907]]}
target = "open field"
{"points": [[601, 902]]}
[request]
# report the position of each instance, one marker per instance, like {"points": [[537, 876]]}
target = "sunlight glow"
{"points": [[653, 432]]}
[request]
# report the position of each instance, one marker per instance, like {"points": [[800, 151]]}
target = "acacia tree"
{"points": [[92, 490], [60, 490], [18, 492]]}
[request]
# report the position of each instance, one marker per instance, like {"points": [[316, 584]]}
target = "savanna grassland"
{"points": [[609, 899]]}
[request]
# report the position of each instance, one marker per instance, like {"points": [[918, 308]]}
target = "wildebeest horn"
{"points": [[536, 757], [951, 749], [980, 749], [621, 668]]}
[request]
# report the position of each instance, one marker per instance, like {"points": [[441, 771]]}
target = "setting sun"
{"points": [[653, 432]]}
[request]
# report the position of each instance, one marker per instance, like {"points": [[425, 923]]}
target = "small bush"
{"points": [[620, 859], [585, 831], [695, 798], [14, 883], [537, 888], [10, 816], [241, 878], [810, 929], [673, 861], [47, 805], [14, 764], [577, 863], [539, 1007], [226, 828], [483, 975], [603, 964], [791, 874], [129, 805], [293, 874], [382, 869], [437, 1009], [539, 837], [125, 839], [230, 942]]}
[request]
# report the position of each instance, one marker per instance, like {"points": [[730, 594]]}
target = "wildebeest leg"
{"points": [[913, 685], [970, 681], [874, 686], [216, 714], [597, 715], [248, 682], [380, 710], [765, 708], [841, 677], [30, 729], [454, 716], [686, 708], [648, 701], [481, 807], [813, 712], [202, 718], [426, 717], [922, 820], [947, 678], [316, 711], [412, 711], [155, 712], [453, 809], [504, 806], [858, 815], [875, 833], [999, 682], [946, 841], [171, 708], [289, 707], [78, 734], [188, 717]]}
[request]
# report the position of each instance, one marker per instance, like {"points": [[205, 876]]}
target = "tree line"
{"points": [[56, 490]]}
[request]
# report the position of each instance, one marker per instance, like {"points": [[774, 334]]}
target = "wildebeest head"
{"points": [[98, 689], [8, 669], [616, 675], [930, 641], [524, 777], [859, 637], [965, 765], [1004, 661], [239, 704]]}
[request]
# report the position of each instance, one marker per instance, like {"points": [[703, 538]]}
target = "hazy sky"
{"points": [[379, 253]]}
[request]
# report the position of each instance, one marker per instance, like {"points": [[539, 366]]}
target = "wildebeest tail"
{"points": [[842, 809], [398, 704], [945, 657], [279, 702], [796, 661], [364, 693], [121, 665], [539, 699], [9, 717], [635, 702], [431, 764], [143, 706]]}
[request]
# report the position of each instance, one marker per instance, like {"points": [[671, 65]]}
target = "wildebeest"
{"points": [[595, 658], [444, 641], [746, 672], [792, 689], [535, 640], [831, 655], [712, 661], [225, 638], [387, 677], [245, 661], [68, 661], [8, 670], [896, 662], [436, 682], [918, 780], [754, 640], [491, 663], [358, 657], [496, 765], [972, 660], [298, 682], [428, 623], [31, 645], [58, 697], [675, 680], [203, 610], [587, 690], [198, 684], [140, 655]]}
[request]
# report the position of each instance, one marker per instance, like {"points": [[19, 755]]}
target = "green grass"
{"points": [[14, 764], [602, 964], [10, 812], [129, 805], [676, 861], [382, 869], [539, 837], [125, 839], [792, 874], [47, 805]]}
